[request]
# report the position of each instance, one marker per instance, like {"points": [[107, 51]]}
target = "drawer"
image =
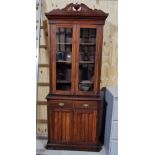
{"points": [[114, 134], [85, 105], [60, 104]]}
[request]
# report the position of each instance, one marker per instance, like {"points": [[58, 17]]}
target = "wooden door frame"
{"points": [[75, 58], [53, 59], [97, 59]]}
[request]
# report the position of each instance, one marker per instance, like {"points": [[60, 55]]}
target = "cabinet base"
{"points": [[95, 148]]}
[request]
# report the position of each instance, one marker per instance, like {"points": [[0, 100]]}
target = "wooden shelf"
{"points": [[63, 61], [64, 43], [86, 82], [87, 62], [92, 44], [66, 33], [63, 81]]}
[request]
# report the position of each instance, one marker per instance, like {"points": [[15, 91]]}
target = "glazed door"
{"points": [[86, 60], [61, 126], [63, 56]]}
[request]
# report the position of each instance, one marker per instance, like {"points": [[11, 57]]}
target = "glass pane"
{"points": [[63, 58], [87, 59], [64, 35]]}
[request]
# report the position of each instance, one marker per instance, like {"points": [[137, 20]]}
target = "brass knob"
{"points": [[61, 104], [85, 105]]}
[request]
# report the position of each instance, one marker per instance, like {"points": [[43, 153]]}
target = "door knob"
{"points": [[85, 105], [61, 104]]}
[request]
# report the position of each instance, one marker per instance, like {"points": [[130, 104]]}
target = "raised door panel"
{"points": [[61, 126], [85, 126]]}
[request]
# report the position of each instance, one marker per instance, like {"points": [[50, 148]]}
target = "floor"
{"points": [[40, 146]]}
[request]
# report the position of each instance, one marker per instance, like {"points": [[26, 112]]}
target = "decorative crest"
{"points": [[76, 11]]}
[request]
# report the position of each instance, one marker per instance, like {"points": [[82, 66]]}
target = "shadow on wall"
{"points": [[109, 69]]}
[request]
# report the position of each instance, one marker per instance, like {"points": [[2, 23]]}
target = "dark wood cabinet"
{"points": [[74, 102]]}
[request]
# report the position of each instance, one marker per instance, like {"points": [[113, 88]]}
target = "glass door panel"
{"points": [[87, 59], [63, 58]]}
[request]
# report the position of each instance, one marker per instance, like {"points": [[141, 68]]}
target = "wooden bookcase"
{"points": [[74, 104]]}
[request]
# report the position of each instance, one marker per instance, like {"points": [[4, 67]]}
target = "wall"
{"points": [[109, 54]]}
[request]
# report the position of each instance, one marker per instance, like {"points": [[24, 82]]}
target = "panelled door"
{"points": [[73, 126], [85, 126], [61, 126]]}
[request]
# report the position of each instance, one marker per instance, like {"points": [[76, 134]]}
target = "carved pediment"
{"points": [[76, 10], [77, 7]]}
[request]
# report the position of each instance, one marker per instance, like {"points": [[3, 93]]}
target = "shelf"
{"points": [[64, 43], [63, 61], [63, 81], [87, 62], [65, 33], [86, 82], [92, 44]]}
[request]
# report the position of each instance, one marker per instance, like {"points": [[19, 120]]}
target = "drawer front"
{"points": [[114, 134], [86, 105], [60, 104]]}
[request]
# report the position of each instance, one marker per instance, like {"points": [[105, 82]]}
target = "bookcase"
{"points": [[74, 104]]}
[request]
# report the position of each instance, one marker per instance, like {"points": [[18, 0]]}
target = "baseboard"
{"points": [[94, 148]]}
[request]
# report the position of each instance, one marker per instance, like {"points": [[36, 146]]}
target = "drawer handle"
{"points": [[85, 105], [61, 104]]}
